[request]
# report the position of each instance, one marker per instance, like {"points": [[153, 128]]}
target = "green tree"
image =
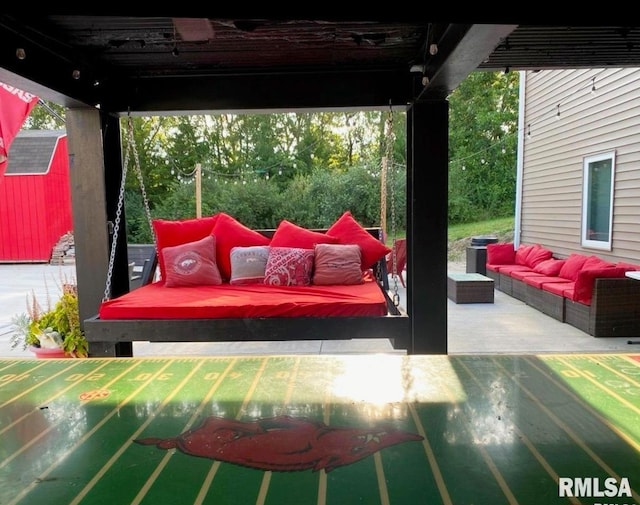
{"points": [[482, 146], [46, 116]]}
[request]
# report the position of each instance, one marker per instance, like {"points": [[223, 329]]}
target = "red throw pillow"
{"points": [[337, 264], [192, 264], [231, 233], [596, 262], [289, 234], [583, 291], [289, 266], [172, 233], [572, 265], [629, 267], [349, 231], [550, 267], [501, 254], [522, 252], [538, 254]]}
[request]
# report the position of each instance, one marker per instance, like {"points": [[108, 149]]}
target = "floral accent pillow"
{"points": [[248, 264], [192, 264], [289, 266], [337, 264]]}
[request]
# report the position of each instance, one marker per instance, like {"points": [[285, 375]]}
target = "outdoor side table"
{"points": [[469, 288]]}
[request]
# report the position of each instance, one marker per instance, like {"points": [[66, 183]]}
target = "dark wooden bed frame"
{"points": [[114, 337]]}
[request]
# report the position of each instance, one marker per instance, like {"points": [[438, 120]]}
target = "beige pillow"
{"points": [[248, 264], [337, 264]]}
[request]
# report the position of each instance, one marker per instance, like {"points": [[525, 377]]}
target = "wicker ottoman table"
{"points": [[469, 288]]}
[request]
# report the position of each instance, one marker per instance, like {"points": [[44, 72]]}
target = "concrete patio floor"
{"points": [[505, 326]]}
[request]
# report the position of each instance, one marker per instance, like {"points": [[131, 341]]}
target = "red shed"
{"points": [[35, 197]]}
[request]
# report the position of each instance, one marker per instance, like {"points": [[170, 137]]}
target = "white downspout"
{"points": [[520, 161]]}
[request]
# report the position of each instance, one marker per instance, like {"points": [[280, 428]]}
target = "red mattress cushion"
{"points": [[155, 301]]}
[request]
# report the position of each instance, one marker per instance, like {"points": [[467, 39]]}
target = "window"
{"points": [[597, 200]]}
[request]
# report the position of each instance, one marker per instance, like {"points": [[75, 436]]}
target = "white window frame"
{"points": [[605, 245]]}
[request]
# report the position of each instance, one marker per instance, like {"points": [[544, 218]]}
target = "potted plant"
{"points": [[54, 332]]}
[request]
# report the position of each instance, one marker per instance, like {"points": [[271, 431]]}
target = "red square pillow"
{"points": [[596, 262], [172, 233], [291, 235], [572, 265], [538, 254], [583, 291], [550, 267], [230, 233], [628, 266], [337, 264], [349, 231], [501, 254], [192, 264], [522, 252], [289, 266]]}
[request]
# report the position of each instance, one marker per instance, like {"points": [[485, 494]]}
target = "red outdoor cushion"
{"points": [[521, 274], [155, 301], [172, 233], [522, 252], [538, 254], [572, 265], [585, 282], [596, 262], [231, 233], [501, 254], [564, 289], [349, 231], [629, 267], [508, 269], [549, 267], [539, 281], [289, 234]]}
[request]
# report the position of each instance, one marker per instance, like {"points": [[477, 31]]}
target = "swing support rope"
{"points": [[130, 149], [390, 183]]}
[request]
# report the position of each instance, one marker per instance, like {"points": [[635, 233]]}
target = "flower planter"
{"points": [[48, 353]]}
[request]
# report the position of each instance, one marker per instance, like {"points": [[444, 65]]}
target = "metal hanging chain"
{"points": [[131, 146], [389, 137]]}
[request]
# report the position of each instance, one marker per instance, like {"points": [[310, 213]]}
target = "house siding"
{"points": [[554, 149]]}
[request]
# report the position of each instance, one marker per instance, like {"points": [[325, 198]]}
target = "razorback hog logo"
{"points": [[281, 443]]}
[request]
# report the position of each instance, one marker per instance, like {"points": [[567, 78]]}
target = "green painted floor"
{"points": [[359, 429]]}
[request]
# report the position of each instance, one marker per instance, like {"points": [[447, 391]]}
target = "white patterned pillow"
{"points": [[289, 266]]}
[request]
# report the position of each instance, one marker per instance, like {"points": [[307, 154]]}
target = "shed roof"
{"points": [[31, 151]]}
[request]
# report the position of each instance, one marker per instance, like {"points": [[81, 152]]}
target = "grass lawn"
{"points": [[459, 235]]}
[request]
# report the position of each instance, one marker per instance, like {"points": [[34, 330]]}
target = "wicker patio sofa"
{"points": [[584, 291]]}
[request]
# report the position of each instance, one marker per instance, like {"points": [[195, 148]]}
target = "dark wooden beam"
{"points": [[427, 189], [268, 92]]}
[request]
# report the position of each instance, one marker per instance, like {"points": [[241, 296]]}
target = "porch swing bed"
{"points": [[249, 308], [222, 281]]}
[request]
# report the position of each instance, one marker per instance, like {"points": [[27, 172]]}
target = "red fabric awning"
{"points": [[15, 107]]}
